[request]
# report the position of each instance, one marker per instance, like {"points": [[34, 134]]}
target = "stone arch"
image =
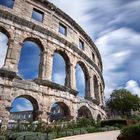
{"points": [[36, 56], [96, 89], [84, 112], [4, 31], [4, 45], [67, 66], [86, 76], [58, 111], [37, 41], [34, 103]]}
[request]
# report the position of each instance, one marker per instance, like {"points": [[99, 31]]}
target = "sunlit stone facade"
{"points": [[53, 31]]}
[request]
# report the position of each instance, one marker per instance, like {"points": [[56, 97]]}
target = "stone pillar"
{"points": [[46, 65], [4, 112], [92, 88], [88, 87], [13, 55], [100, 94], [72, 76], [43, 114], [42, 65]]}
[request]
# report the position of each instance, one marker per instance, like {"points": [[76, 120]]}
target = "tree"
{"points": [[123, 102]]}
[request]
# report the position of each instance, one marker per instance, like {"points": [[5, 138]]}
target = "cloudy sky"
{"points": [[114, 26]]}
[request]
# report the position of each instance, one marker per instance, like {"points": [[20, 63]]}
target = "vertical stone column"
{"points": [[91, 86], [13, 54], [42, 115], [88, 87], [100, 94], [46, 65], [42, 65], [72, 76], [4, 112]]}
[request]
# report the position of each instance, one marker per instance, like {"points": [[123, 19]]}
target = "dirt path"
{"points": [[111, 135]]}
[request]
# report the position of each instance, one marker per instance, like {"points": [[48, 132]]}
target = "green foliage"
{"points": [[135, 118], [31, 137], [71, 125], [41, 127], [2, 138], [123, 101], [59, 129], [27, 135], [113, 122], [84, 122], [51, 136], [133, 130], [91, 129]]}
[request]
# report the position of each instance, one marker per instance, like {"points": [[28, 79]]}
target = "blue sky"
{"points": [[114, 27], [29, 60]]}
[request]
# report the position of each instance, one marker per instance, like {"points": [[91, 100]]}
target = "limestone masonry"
{"points": [[17, 23]]}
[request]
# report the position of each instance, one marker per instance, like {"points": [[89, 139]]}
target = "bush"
{"points": [[84, 122], [69, 133], [91, 129], [71, 125], [84, 131], [27, 135], [113, 122], [133, 130], [2, 138], [31, 137], [14, 136]]}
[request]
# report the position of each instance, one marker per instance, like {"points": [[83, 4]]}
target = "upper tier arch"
{"points": [[58, 11]]}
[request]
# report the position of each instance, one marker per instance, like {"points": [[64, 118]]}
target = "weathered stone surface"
{"points": [[17, 24]]}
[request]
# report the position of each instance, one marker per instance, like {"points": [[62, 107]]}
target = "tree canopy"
{"points": [[123, 101]]}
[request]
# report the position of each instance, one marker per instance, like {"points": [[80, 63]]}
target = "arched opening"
{"points": [[24, 108], [59, 111], [99, 118], [61, 68], [82, 81], [96, 89], [29, 62], [4, 38], [84, 112]]}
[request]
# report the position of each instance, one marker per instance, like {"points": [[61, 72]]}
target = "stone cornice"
{"points": [[20, 21], [7, 73], [59, 12], [55, 86]]}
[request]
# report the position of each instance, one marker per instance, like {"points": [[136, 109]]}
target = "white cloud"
{"points": [[22, 104], [59, 78], [133, 87], [117, 54]]}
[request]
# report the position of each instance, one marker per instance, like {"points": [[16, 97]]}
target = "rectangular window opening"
{"points": [[7, 3], [81, 44], [62, 29], [37, 15]]}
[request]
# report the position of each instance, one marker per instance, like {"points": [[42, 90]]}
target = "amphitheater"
{"points": [[53, 31]]}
